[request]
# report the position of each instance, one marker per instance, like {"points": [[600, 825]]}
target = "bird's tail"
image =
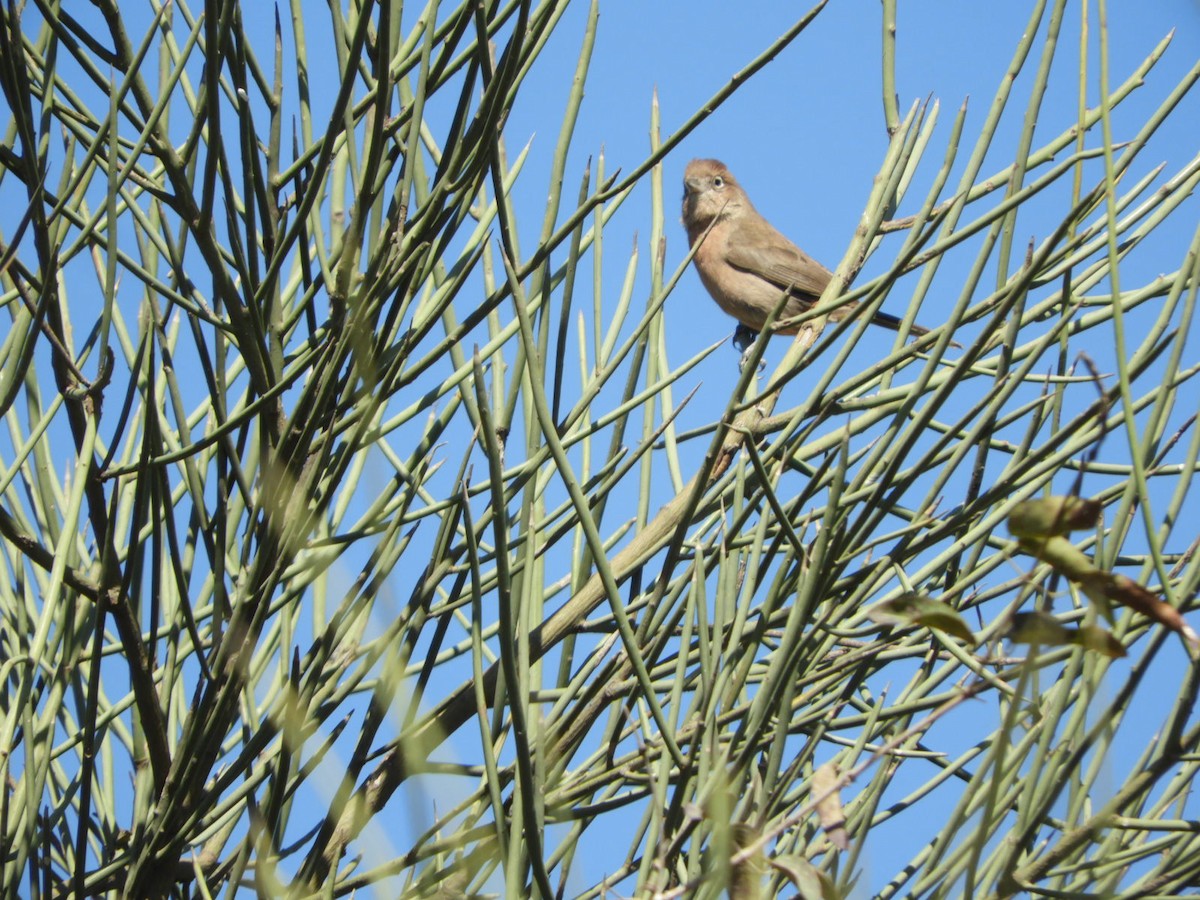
{"points": [[890, 321], [914, 330]]}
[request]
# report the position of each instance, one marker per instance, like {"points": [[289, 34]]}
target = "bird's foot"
{"points": [[743, 340]]}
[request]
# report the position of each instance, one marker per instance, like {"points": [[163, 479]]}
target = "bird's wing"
{"points": [[770, 255]]}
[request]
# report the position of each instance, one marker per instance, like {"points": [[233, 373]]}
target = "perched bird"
{"points": [[744, 262]]}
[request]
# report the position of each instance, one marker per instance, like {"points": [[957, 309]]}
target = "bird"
{"points": [[745, 263]]}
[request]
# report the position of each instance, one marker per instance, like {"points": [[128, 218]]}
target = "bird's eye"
{"points": [[718, 181]]}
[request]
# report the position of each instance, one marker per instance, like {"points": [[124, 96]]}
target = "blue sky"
{"points": [[805, 136]]}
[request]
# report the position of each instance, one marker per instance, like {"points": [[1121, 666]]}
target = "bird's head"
{"points": [[710, 191]]}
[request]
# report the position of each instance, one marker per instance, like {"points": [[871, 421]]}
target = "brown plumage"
{"points": [[745, 263]]}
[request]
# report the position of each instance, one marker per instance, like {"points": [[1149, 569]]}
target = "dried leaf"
{"points": [[1053, 516], [1102, 587], [1042, 628], [811, 882], [825, 791], [1038, 628], [911, 608], [1127, 592], [1064, 556], [745, 879], [1100, 640]]}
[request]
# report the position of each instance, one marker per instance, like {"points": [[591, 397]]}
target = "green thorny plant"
{"points": [[327, 570]]}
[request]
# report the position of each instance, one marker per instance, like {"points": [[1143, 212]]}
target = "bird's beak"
{"points": [[691, 186]]}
